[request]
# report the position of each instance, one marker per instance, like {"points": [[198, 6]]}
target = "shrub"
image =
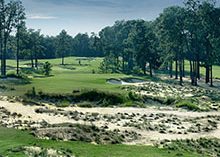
{"points": [[102, 97], [133, 96], [206, 147], [98, 97], [31, 93], [188, 104], [170, 100], [47, 68], [154, 98], [19, 76], [85, 104], [31, 71], [3, 87]]}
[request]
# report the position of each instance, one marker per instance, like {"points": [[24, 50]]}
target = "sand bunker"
{"points": [[114, 81], [126, 81]]}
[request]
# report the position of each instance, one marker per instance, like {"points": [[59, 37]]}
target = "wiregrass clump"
{"points": [[206, 147], [78, 132], [188, 104], [97, 98]]}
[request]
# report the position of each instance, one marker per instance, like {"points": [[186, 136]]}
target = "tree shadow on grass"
{"points": [[43, 76], [14, 81]]}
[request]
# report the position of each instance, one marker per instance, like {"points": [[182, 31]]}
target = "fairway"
{"points": [[68, 77], [73, 76]]}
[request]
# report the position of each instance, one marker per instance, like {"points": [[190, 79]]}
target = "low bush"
{"points": [[47, 68], [18, 76], [206, 147], [188, 104], [3, 87], [31, 93], [133, 96], [161, 100], [83, 133], [170, 100], [99, 98], [33, 71]]}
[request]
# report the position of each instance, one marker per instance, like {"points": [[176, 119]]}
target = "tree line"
{"points": [[190, 33], [33, 46], [18, 42]]}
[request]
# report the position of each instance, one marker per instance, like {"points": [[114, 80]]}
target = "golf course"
{"points": [[109, 78], [22, 115]]}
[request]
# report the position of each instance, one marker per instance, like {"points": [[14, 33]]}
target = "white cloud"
{"points": [[41, 17]]}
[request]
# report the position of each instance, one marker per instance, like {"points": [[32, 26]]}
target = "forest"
{"points": [[190, 33]]}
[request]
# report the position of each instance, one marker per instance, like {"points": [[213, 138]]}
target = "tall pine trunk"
{"points": [[181, 72], [117, 63], [194, 73], [144, 69], [18, 49], [62, 61], [151, 70], [4, 58], [123, 62], [207, 76], [198, 70], [171, 69], [207, 63], [1, 51], [32, 59], [184, 68], [130, 63], [211, 76], [191, 69], [36, 63], [1, 45], [35, 57], [176, 69]]}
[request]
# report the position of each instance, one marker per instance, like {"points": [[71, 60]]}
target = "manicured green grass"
{"points": [[216, 70], [73, 76], [67, 78], [11, 138]]}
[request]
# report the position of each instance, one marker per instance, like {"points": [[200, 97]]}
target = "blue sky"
{"points": [[51, 16]]}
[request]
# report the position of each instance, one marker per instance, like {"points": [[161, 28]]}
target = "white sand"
{"points": [[148, 137]]}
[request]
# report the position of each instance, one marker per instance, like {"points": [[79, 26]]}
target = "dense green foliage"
{"points": [[47, 68], [178, 34], [98, 98], [47, 47], [188, 104]]}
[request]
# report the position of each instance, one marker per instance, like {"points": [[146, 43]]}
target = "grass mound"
{"points": [[12, 139], [98, 98], [188, 104], [160, 100], [206, 147], [83, 133]]}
